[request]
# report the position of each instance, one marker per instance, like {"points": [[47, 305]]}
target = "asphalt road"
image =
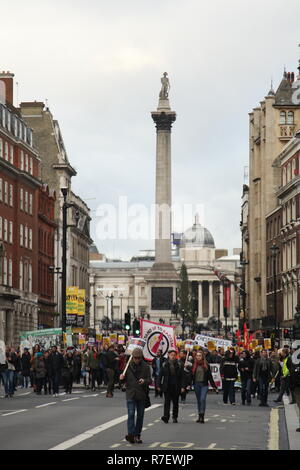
{"points": [[89, 421]]}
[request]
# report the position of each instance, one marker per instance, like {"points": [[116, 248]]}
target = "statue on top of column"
{"points": [[164, 92]]}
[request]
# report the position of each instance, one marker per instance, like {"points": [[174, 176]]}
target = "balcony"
{"points": [[286, 131]]}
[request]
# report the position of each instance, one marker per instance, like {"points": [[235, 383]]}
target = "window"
{"points": [[26, 162], [6, 151], [5, 271], [5, 230], [30, 278], [1, 189], [10, 232], [10, 270], [11, 195], [26, 201], [26, 237], [21, 199], [1, 148], [30, 204], [0, 228], [30, 239], [5, 192], [31, 166], [21, 235], [21, 275], [11, 159], [282, 117], [290, 119], [22, 160]]}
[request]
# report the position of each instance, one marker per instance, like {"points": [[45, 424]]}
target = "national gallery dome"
{"points": [[198, 236]]}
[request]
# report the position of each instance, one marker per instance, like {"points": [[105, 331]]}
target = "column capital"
{"points": [[163, 120]]}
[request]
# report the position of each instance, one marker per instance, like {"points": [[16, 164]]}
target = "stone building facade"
{"points": [[119, 286], [272, 125]]}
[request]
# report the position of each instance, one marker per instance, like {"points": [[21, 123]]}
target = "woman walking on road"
{"points": [[229, 373], [201, 376]]}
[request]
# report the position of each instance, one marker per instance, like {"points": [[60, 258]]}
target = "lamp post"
{"points": [[56, 272], [95, 297], [275, 250], [121, 299], [218, 294], [244, 263], [183, 321], [65, 207]]}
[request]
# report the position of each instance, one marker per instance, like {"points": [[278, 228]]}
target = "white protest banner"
{"points": [[133, 344], [202, 340], [215, 370], [157, 336], [189, 344]]}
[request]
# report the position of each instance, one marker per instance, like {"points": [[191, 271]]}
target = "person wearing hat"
{"points": [[137, 379], [171, 382]]}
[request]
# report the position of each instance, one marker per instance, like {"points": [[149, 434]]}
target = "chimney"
{"points": [[7, 87]]}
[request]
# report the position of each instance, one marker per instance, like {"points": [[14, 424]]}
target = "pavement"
{"points": [[292, 423], [87, 420]]}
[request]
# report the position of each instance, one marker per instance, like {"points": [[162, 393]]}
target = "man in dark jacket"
{"points": [[157, 363], [25, 367], [229, 373], [246, 366], [171, 382], [263, 374], [56, 362], [138, 379]]}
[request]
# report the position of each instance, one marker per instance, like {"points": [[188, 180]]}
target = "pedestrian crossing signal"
{"points": [[127, 321]]}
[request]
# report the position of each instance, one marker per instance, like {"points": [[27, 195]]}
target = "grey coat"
{"points": [[133, 389]]}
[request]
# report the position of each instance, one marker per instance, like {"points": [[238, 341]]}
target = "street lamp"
{"points": [[244, 263], [121, 298], [56, 272], [218, 294], [183, 321], [95, 297], [275, 250]]}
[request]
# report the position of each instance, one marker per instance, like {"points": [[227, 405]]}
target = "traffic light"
{"points": [[296, 332], [136, 327], [127, 321], [286, 333]]}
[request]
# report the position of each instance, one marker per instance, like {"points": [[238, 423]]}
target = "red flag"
{"points": [[238, 335]]}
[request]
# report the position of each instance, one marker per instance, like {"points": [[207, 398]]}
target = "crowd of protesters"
{"points": [[46, 370], [174, 376]]}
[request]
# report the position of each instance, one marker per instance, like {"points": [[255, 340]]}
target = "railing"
{"points": [[286, 131]]}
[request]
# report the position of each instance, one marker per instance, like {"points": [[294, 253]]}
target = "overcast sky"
{"points": [[99, 64]]}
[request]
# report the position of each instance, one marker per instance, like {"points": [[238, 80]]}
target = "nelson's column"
{"points": [[163, 279]]}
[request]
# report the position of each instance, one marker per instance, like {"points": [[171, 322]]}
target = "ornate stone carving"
{"points": [[163, 120]]}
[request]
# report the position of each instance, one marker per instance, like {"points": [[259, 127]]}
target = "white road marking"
{"points": [[14, 412], [46, 404], [92, 432], [155, 444], [157, 421], [193, 414], [115, 445], [71, 399], [78, 391], [88, 396], [23, 394], [102, 393], [150, 424], [223, 420], [63, 393]]}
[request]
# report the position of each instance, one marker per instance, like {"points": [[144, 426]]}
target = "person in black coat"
{"points": [[171, 382], [246, 366], [68, 371], [56, 361], [25, 367], [229, 373], [157, 364]]}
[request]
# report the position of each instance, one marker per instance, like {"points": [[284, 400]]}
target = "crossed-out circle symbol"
{"points": [[158, 341]]}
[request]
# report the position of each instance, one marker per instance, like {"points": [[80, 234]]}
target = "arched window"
{"points": [[282, 117], [290, 119]]}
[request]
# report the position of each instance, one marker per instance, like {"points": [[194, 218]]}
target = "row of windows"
{"points": [[287, 117], [7, 151], [25, 237], [26, 201], [46, 242], [273, 228], [14, 125], [25, 276], [7, 270], [290, 171], [46, 280], [6, 230], [6, 193], [289, 212]]}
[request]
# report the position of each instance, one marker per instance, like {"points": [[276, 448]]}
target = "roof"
{"points": [[198, 236]]}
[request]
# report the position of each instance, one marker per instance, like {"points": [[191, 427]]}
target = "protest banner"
{"points": [[71, 305], [267, 343], [2, 352], [157, 336], [113, 338], [202, 340], [189, 344], [81, 307], [135, 343], [121, 339]]}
